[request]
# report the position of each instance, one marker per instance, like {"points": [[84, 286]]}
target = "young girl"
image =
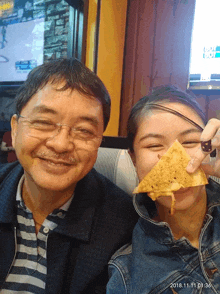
{"points": [[177, 253]]}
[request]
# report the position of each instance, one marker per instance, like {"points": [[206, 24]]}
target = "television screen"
{"points": [[205, 47], [21, 38]]}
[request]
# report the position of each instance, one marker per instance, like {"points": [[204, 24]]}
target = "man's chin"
{"points": [[50, 182], [54, 186]]}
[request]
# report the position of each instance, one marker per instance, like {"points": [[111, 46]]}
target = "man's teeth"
{"points": [[57, 164]]}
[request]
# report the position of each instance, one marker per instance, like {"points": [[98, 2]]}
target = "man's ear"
{"points": [[14, 127], [132, 156]]}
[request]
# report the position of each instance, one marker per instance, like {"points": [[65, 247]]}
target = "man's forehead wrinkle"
{"points": [[43, 109], [62, 86]]}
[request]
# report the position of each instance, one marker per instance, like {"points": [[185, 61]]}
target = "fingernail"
{"points": [[206, 146]]}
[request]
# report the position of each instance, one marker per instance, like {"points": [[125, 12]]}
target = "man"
{"points": [[60, 220]]}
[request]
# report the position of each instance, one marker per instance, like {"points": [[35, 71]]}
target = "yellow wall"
{"points": [[90, 36], [110, 52]]}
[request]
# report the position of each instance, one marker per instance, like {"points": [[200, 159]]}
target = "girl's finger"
{"points": [[211, 129]]}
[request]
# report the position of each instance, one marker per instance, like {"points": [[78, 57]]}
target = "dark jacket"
{"points": [[100, 219]]}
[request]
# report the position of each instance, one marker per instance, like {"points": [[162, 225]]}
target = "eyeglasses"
{"points": [[45, 129]]}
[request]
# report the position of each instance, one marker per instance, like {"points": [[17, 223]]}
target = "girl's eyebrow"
{"points": [[189, 131], [151, 135], [160, 136]]}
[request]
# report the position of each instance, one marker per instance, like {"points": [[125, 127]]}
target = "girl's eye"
{"points": [[190, 144], [155, 147]]}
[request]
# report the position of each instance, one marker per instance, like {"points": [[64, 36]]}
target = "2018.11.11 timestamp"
{"points": [[197, 285]]}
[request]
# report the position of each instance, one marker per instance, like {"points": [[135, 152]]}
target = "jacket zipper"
{"points": [[15, 237]]}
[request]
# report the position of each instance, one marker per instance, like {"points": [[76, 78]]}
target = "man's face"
{"points": [[57, 163]]}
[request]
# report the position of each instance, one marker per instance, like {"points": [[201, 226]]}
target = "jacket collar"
{"points": [[212, 190], [161, 230], [80, 215], [10, 175]]}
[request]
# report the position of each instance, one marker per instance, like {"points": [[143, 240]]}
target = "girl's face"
{"points": [[157, 131]]}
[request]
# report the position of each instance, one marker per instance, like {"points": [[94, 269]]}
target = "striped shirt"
{"points": [[29, 269]]}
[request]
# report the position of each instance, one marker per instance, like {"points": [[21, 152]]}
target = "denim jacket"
{"points": [[156, 263]]}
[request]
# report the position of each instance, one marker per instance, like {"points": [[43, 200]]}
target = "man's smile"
{"points": [[59, 162]]}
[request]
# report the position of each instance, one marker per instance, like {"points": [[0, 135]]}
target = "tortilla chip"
{"points": [[154, 196], [170, 174]]}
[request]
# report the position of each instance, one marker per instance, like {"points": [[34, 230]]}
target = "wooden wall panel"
{"points": [[162, 61], [137, 56], [183, 23], [157, 49]]}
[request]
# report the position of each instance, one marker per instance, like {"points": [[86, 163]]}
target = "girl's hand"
{"points": [[210, 165]]}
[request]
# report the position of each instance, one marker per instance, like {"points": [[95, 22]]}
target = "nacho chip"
{"points": [[170, 174], [154, 196]]}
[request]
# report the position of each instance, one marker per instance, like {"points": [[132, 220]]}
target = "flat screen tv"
{"points": [[21, 38], [205, 46], [35, 31]]}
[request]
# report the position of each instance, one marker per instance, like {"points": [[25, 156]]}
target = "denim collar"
{"points": [[161, 230]]}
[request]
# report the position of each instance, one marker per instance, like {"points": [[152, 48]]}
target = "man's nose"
{"points": [[61, 141]]}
